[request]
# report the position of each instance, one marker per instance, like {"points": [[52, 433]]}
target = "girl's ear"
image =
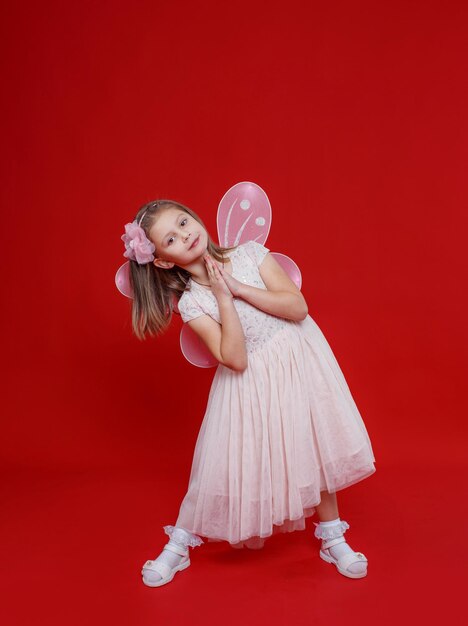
{"points": [[165, 265]]}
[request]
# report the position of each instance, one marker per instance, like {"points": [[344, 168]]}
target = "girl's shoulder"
{"points": [[188, 306], [253, 249], [250, 248]]}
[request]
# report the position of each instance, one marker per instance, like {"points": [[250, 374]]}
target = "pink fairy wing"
{"points": [[244, 214], [194, 350], [122, 280], [291, 269]]}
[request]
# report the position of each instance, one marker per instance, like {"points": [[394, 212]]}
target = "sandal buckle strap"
{"points": [[332, 542]]}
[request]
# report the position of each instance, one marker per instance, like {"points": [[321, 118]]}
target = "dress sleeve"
{"points": [[256, 251], [188, 307]]}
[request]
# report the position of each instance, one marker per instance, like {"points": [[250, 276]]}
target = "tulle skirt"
{"points": [[273, 437]]}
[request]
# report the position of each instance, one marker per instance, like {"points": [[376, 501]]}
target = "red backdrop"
{"points": [[351, 116]]}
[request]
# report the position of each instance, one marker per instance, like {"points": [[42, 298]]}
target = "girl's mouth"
{"points": [[194, 242]]}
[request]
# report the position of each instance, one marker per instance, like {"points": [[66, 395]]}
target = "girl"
{"points": [[281, 432]]}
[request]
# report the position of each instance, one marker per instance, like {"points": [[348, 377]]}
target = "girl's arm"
{"points": [[281, 296], [225, 341]]}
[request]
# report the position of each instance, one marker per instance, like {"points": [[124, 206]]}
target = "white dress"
{"points": [[275, 435]]}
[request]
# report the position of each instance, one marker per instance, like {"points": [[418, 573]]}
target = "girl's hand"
{"points": [[235, 286], [217, 282]]}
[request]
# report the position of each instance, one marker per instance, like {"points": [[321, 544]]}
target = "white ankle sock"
{"points": [[337, 528], [331, 522]]}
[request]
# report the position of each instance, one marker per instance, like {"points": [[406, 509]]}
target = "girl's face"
{"points": [[178, 237]]}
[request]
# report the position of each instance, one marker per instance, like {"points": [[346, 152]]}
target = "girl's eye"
{"points": [[171, 239]]}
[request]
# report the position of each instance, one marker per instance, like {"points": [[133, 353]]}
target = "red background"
{"points": [[352, 117]]}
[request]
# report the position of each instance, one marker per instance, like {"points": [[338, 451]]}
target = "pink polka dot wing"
{"points": [[244, 214]]}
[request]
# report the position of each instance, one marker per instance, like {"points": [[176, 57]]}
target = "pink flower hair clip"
{"points": [[137, 245]]}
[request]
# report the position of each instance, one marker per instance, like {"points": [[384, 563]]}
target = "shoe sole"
{"points": [[164, 581], [343, 572]]}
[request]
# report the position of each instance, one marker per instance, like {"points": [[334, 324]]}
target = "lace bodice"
{"points": [[257, 325]]}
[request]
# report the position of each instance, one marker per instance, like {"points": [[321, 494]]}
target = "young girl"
{"points": [[281, 432]]}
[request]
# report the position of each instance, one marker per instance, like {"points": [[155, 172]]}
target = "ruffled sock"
{"points": [[331, 530], [178, 537]]}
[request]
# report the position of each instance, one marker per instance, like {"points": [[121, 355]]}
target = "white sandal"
{"points": [[344, 561], [166, 572]]}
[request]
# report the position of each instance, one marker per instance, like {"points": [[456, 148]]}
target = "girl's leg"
{"points": [[327, 510]]}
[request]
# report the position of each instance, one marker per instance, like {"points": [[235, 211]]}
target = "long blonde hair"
{"points": [[155, 288]]}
